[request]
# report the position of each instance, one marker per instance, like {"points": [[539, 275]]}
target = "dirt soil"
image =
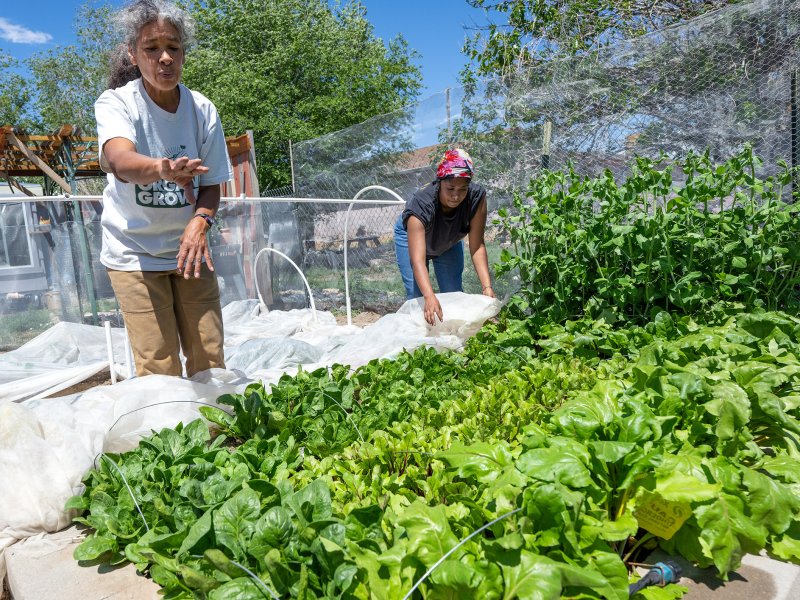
{"points": [[101, 378], [361, 319], [5, 594]]}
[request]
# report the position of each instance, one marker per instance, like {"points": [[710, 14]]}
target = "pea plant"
{"points": [[625, 251]]}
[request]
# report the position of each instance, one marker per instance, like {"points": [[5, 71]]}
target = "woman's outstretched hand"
{"points": [[181, 170], [432, 309], [488, 291]]}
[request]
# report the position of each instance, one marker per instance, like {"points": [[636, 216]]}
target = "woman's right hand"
{"points": [[181, 170], [432, 309]]}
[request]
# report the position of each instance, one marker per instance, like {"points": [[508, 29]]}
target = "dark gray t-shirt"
{"points": [[442, 231]]}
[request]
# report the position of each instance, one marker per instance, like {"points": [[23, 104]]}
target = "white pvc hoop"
{"points": [[110, 351], [291, 262], [346, 219]]}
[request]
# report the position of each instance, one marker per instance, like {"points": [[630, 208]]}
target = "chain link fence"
{"points": [[720, 81], [312, 234]]}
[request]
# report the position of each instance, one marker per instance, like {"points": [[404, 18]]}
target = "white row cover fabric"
{"points": [[47, 445], [64, 355]]}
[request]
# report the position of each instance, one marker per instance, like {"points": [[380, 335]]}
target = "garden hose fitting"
{"points": [[661, 573]]}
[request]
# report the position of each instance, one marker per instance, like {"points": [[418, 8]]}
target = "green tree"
{"points": [[287, 69], [294, 70], [68, 79], [539, 30], [15, 94]]}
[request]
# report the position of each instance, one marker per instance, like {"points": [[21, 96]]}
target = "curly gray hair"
{"points": [[130, 20]]}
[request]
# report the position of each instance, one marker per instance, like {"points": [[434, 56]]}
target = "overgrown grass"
{"points": [[17, 328]]}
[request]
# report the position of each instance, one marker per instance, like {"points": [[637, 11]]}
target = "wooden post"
{"points": [[252, 164], [38, 162], [447, 107], [795, 130], [548, 134], [13, 181]]}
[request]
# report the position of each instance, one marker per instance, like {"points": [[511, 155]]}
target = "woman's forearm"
{"points": [[477, 247], [208, 199], [418, 253], [480, 259], [422, 277], [132, 167]]}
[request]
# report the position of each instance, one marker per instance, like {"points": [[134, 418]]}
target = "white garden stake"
{"points": [[110, 351]]}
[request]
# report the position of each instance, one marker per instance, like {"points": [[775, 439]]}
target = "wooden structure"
{"points": [[64, 156], [28, 258], [241, 150], [244, 241], [61, 157]]}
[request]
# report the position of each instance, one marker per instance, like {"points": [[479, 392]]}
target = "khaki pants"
{"points": [[165, 312]]}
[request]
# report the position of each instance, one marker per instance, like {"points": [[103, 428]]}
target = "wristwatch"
{"points": [[207, 218]]}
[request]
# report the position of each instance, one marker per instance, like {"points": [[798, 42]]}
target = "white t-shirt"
{"points": [[142, 224]]}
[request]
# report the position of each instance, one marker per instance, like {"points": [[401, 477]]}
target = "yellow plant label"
{"points": [[661, 517]]}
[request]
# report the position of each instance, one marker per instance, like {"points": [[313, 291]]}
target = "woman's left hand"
{"points": [[194, 246], [488, 291]]}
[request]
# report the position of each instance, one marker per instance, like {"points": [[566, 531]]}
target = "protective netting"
{"points": [[721, 81], [716, 83], [57, 276]]}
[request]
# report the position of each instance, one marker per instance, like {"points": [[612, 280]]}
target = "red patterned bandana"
{"points": [[456, 163]]}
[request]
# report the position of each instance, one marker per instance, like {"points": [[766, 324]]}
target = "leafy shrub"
{"points": [[591, 246]]}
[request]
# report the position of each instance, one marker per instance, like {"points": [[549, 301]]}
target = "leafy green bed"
{"points": [[557, 449], [674, 236]]}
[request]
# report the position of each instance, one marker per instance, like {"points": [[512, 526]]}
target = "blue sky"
{"points": [[435, 28]]}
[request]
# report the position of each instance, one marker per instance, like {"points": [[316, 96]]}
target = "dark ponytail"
{"points": [[122, 69]]}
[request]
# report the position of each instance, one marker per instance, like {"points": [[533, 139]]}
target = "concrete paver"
{"points": [[43, 569], [758, 578]]}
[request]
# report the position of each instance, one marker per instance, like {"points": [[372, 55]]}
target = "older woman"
{"points": [[432, 227], [163, 148]]}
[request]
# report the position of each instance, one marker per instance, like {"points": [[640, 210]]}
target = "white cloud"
{"points": [[18, 34]]}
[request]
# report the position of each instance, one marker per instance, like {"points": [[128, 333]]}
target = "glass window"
{"points": [[14, 244]]}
